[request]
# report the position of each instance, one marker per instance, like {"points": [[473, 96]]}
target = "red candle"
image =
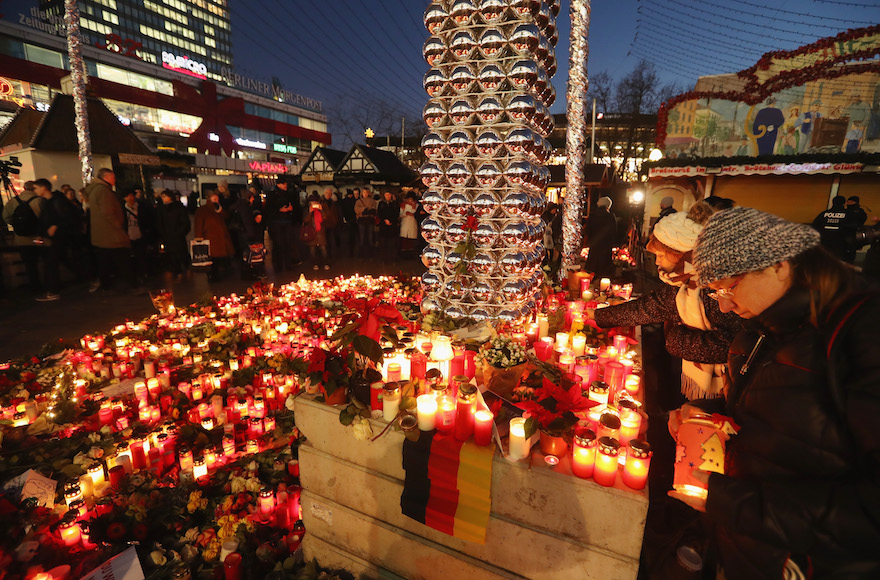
{"points": [[105, 415], [232, 566], [470, 365], [583, 453], [464, 411], [155, 460], [138, 457], [638, 460], [419, 364], [117, 474], [543, 350], [483, 421], [445, 413], [376, 395], [615, 374], [456, 365], [605, 470]]}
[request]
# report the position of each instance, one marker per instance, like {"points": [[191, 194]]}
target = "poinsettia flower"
{"points": [[317, 360], [372, 315], [471, 223]]}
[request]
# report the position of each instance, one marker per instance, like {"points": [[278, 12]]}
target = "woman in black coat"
{"points": [[801, 489], [173, 225]]}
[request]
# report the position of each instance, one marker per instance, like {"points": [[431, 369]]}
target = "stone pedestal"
{"points": [[544, 524]]}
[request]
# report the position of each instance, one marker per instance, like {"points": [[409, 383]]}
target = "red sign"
{"points": [[267, 167]]}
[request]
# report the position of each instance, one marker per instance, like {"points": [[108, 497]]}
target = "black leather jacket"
{"points": [[802, 480]]}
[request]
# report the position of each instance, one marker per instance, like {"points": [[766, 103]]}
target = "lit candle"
{"points": [[544, 348], [154, 388], [599, 392], [150, 369], [630, 420], [72, 493], [252, 446], [605, 470], [376, 395], [268, 424], [200, 468], [123, 457], [578, 344], [445, 413], [70, 532], [609, 426], [543, 325], [620, 342], [615, 375], [604, 284], [464, 411], [427, 411], [638, 460], [483, 422], [561, 341], [394, 373], [141, 393], [583, 453], [228, 446], [105, 415], [566, 363], [632, 384], [267, 501], [519, 446], [390, 401], [186, 458]]}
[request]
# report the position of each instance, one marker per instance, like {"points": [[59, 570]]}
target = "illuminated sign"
{"points": [[243, 142], [268, 167], [282, 148], [183, 64], [759, 169], [272, 91]]}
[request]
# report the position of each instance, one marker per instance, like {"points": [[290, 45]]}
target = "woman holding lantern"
{"points": [[697, 331], [800, 493]]}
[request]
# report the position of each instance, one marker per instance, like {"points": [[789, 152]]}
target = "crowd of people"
{"points": [[116, 241]]}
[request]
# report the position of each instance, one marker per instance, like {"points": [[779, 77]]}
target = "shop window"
{"points": [[12, 47]]}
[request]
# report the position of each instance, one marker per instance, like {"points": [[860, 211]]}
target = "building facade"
{"points": [[171, 85]]}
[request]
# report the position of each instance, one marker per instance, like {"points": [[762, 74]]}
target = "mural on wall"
{"points": [[821, 98]]}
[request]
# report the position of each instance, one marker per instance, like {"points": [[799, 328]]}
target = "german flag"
{"points": [[448, 485]]}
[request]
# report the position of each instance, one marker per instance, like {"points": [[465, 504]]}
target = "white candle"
{"points": [[561, 341], [149, 369], [519, 445], [543, 326], [427, 408], [578, 344], [604, 284]]}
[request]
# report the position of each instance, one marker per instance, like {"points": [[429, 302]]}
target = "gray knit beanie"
{"points": [[742, 239]]}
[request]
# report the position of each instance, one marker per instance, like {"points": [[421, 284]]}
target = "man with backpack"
{"points": [[22, 212]]}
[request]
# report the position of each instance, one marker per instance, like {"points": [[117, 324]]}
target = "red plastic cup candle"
{"points": [[105, 415], [445, 413], [464, 410], [630, 419], [583, 453], [605, 470], [394, 372], [620, 342], [483, 421], [426, 405], [252, 446], [117, 475], [638, 460], [70, 532], [615, 375], [232, 566], [456, 365], [376, 395], [544, 349]]}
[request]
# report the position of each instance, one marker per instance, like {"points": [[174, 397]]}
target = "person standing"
{"points": [[283, 214], [210, 224], [318, 242], [409, 227], [600, 235], [331, 221], [855, 219], [173, 226], [831, 225], [135, 226], [251, 233], [365, 209], [51, 225], [27, 229], [800, 493], [349, 225], [389, 215], [108, 229]]}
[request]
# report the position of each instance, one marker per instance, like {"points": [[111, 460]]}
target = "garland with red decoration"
{"points": [[754, 92]]}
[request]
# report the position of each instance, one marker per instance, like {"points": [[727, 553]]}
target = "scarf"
{"points": [[698, 380]]}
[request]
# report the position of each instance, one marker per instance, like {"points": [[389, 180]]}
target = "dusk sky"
{"points": [[349, 53]]}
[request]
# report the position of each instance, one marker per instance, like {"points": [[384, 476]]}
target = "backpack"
{"points": [[24, 220]]}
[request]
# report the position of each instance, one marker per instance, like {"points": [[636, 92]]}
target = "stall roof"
{"points": [[55, 130], [369, 162]]}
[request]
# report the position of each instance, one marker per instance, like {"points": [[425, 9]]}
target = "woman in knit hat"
{"points": [[801, 489], [696, 329]]}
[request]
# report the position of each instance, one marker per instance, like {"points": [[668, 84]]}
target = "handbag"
{"points": [[200, 250], [307, 233]]}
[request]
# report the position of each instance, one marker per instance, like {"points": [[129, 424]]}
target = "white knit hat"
{"points": [[677, 232]]}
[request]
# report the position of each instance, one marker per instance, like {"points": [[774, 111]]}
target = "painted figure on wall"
{"points": [[766, 127], [854, 138], [804, 124]]}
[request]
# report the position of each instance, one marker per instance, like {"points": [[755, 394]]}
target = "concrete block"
{"points": [[514, 547]]}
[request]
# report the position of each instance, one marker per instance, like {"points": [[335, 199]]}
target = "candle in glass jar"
{"points": [[583, 453], [105, 415], [566, 362], [464, 411], [483, 422], [267, 501], [445, 413], [70, 532], [599, 392], [394, 372], [620, 342], [638, 460], [630, 420], [561, 341], [543, 325], [604, 284], [96, 472], [578, 344], [632, 384], [141, 393], [605, 470], [426, 406], [390, 401], [519, 445]]}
